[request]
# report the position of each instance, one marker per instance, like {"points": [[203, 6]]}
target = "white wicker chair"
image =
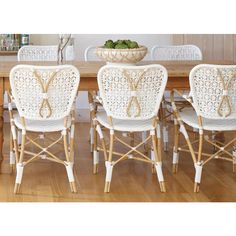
{"points": [[131, 97], [44, 97], [43, 53], [213, 100], [35, 53], [173, 53]]}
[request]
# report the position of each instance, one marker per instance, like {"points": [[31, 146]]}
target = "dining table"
{"points": [[178, 77]]}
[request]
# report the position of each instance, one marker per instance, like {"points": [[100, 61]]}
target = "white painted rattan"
{"points": [[90, 54], [213, 100], [207, 90], [43, 53], [116, 92], [28, 95], [176, 53], [37, 92], [131, 97]]}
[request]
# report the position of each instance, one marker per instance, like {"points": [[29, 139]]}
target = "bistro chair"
{"points": [[44, 97], [35, 53], [131, 97], [173, 53], [213, 108]]}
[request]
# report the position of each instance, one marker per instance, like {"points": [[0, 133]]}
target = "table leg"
{"points": [[1, 117]]}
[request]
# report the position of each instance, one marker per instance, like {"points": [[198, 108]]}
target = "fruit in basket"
{"points": [[133, 44], [121, 44], [109, 44]]}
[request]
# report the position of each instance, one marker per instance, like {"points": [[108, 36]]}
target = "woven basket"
{"points": [[130, 56]]}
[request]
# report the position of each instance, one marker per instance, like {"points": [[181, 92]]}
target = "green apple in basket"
{"points": [[121, 44]]}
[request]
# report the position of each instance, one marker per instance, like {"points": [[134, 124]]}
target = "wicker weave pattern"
{"points": [[207, 91], [121, 55], [43, 53], [176, 53], [38, 53], [28, 93], [116, 92]]}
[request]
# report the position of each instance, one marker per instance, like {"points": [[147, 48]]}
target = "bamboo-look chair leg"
{"points": [[72, 152], [12, 154], [19, 137], [19, 165], [91, 134], [234, 159], [175, 148], [164, 126], [91, 130], [95, 151], [198, 165], [99, 131], [153, 159], [145, 145], [109, 166], [69, 164], [158, 165]]}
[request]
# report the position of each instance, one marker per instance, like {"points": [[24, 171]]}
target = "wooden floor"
{"points": [[132, 181]]}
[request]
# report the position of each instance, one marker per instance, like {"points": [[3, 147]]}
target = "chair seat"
{"points": [[41, 126], [124, 125], [189, 117]]}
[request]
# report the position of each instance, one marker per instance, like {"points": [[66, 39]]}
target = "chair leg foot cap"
{"points": [[175, 168], [196, 187], [17, 188], [163, 187], [95, 168], [107, 187]]}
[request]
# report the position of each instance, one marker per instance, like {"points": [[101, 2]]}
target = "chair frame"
{"points": [[199, 157], [155, 137], [17, 151]]}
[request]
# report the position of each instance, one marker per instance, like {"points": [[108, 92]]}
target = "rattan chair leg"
{"points": [[69, 164], [95, 151], [175, 149], [109, 167], [12, 154], [20, 167], [157, 154]]}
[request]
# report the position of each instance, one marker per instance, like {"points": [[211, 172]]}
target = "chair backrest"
{"points": [[132, 92], [43, 53], [90, 55], [176, 52], [44, 92], [213, 89]]}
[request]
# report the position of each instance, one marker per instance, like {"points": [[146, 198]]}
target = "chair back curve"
{"points": [[44, 92], [213, 89], [90, 55], [43, 53], [176, 53], [132, 92]]}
